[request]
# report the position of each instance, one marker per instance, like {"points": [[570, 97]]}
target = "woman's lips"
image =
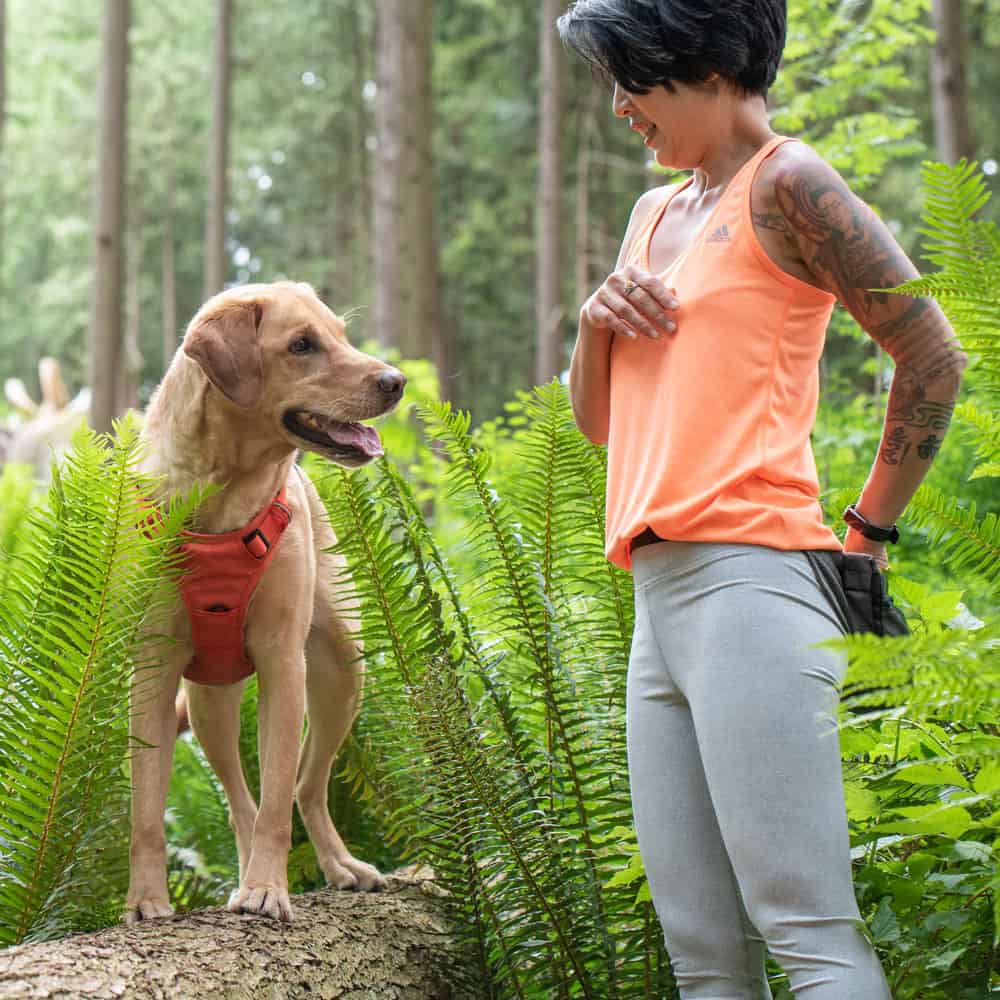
{"points": [[647, 130]]}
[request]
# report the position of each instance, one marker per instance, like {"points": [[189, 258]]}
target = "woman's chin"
{"points": [[662, 158]]}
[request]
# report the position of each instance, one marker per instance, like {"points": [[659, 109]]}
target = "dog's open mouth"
{"points": [[348, 440]]}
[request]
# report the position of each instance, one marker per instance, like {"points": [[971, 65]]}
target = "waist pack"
{"points": [[857, 591]]}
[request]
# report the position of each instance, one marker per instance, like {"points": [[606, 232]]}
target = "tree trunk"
{"points": [[218, 156], [549, 308], [3, 127], [106, 328], [584, 280], [168, 259], [388, 252], [420, 194], [341, 945], [952, 122], [130, 367], [407, 281]]}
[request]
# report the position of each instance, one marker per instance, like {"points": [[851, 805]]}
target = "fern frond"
{"points": [[965, 543], [986, 428], [951, 674], [517, 853], [952, 196], [78, 593]]}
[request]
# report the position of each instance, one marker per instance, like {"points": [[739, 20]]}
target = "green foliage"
{"points": [[493, 692], [303, 150], [833, 44], [85, 576]]}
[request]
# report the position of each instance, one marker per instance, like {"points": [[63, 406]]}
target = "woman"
{"points": [[696, 363]]}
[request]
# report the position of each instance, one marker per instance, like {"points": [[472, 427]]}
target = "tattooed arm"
{"points": [[846, 249]]}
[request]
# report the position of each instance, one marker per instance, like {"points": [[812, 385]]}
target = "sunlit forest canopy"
{"points": [[310, 155]]}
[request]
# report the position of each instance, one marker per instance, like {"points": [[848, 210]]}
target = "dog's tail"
{"points": [[181, 708]]}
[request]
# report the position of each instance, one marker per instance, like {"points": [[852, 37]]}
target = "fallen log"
{"points": [[393, 945]]}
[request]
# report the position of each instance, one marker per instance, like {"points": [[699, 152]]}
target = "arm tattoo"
{"points": [[777, 222], [854, 255]]}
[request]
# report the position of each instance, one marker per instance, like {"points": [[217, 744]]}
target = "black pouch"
{"points": [[857, 590]]}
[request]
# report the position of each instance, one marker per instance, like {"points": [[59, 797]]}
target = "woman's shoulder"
{"points": [[794, 165], [644, 208]]}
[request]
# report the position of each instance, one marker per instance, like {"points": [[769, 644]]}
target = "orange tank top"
{"points": [[709, 427]]}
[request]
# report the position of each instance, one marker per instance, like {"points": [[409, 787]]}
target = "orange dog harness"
{"points": [[221, 574]]}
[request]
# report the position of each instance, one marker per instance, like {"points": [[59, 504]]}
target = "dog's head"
{"points": [[277, 352]]}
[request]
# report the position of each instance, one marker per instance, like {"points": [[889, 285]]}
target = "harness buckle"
{"points": [[257, 543]]}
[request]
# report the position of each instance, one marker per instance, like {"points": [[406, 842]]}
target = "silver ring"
{"points": [[630, 288]]}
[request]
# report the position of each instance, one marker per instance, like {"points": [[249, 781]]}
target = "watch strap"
{"points": [[855, 519]]}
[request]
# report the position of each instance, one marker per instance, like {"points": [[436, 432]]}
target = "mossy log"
{"points": [[394, 945]]}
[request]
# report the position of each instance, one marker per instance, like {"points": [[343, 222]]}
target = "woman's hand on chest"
{"points": [[632, 303]]}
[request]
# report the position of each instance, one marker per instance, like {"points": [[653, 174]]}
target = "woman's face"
{"points": [[673, 125]]}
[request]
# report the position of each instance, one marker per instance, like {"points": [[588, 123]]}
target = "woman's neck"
{"points": [[745, 129]]}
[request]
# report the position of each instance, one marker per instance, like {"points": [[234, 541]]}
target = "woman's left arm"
{"points": [[851, 253]]}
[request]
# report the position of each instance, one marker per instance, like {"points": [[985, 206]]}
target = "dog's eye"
{"points": [[301, 345]]}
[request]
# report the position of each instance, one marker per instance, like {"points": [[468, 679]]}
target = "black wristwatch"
{"points": [[859, 522]]}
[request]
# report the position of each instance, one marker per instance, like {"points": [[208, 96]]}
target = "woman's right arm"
{"points": [[608, 312]]}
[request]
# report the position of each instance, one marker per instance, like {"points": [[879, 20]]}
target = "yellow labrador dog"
{"points": [[263, 371]]}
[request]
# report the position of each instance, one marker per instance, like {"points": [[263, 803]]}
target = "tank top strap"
{"points": [[741, 185], [636, 252]]}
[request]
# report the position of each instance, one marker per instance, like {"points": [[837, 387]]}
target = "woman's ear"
{"points": [[224, 343]]}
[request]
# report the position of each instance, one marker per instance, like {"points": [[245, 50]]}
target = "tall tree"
{"points": [[3, 125], [168, 259], [549, 307], [106, 326], [407, 300], [218, 158], [952, 122]]}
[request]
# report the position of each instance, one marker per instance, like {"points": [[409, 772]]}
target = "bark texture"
{"points": [[218, 155], [406, 272], [106, 325], [549, 308], [952, 121], [342, 946]]}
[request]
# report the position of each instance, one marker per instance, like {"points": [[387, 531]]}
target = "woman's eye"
{"points": [[302, 345]]}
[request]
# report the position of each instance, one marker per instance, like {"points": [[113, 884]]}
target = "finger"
{"points": [[651, 310], [664, 297], [652, 285], [649, 326], [604, 318]]}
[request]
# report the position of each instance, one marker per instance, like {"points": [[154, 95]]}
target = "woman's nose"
{"points": [[619, 102]]}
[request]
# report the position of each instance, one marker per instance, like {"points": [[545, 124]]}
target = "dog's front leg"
{"points": [[281, 710], [153, 729]]}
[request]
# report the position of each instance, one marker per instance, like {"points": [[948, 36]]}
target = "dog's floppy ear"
{"points": [[224, 343]]}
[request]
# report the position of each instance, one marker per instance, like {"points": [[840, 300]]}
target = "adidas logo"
{"points": [[721, 235]]}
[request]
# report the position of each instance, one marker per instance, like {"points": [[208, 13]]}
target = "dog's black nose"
{"points": [[391, 382]]}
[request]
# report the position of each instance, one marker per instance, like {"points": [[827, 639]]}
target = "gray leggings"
{"points": [[734, 763]]}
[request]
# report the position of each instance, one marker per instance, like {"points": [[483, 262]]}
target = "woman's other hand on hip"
{"points": [[856, 542]]}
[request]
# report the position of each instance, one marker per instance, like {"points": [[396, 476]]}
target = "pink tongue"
{"points": [[359, 436]]}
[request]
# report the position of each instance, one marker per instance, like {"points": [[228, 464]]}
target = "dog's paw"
{"points": [[148, 908], [353, 874], [266, 900]]}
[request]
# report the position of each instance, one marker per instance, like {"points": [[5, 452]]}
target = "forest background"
{"points": [[444, 174], [429, 172]]}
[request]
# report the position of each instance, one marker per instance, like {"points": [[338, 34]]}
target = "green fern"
{"points": [[503, 676], [968, 253], [946, 674], [78, 590], [985, 429], [963, 542]]}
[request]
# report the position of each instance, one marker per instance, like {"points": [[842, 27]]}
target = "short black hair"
{"points": [[642, 44]]}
